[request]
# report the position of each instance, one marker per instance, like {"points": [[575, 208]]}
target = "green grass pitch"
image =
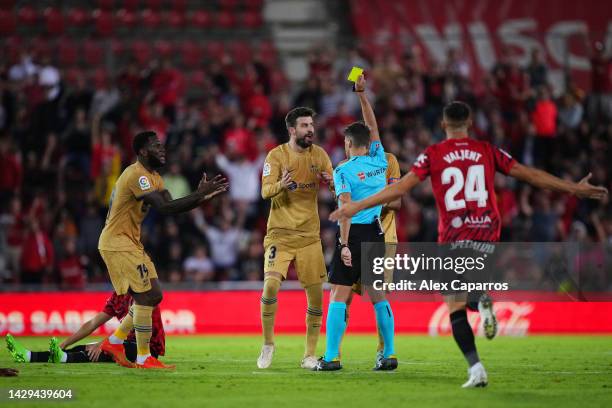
{"points": [[220, 371]]}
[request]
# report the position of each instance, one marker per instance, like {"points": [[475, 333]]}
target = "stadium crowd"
{"points": [[63, 143]]}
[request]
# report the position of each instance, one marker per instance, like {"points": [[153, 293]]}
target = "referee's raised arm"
{"points": [[366, 109]]}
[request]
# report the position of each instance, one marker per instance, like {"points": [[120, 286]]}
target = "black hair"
{"points": [[141, 140], [457, 112], [359, 133], [299, 112]]}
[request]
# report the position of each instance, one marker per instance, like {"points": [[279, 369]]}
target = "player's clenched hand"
{"points": [[286, 180], [326, 177], [360, 84], [585, 189], [217, 183], [346, 211], [94, 351], [346, 256]]}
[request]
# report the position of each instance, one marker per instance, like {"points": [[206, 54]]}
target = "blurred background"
{"points": [[214, 79]]}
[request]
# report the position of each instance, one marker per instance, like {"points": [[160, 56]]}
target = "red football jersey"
{"points": [[119, 305], [462, 175]]}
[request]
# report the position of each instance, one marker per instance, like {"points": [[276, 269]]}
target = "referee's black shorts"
{"points": [[340, 274]]}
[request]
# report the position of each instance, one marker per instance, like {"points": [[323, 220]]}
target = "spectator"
{"points": [[537, 69], [37, 254], [70, 268], [544, 118], [176, 184], [11, 172], [570, 114], [197, 267]]}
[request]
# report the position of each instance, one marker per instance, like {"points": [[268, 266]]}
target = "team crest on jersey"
{"points": [[144, 183], [266, 169], [314, 168], [361, 175]]}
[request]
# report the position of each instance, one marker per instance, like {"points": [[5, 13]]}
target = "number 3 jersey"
{"points": [[462, 175]]}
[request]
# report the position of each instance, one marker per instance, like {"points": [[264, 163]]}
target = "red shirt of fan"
{"points": [[462, 175], [119, 305]]}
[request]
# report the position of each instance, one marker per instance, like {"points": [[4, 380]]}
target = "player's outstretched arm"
{"points": [[366, 109], [390, 193], [86, 329], [163, 202], [541, 179]]}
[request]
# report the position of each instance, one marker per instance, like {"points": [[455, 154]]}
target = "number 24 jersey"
{"points": [[462, 175]]}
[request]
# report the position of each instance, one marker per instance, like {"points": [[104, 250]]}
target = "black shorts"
{"points": [[339, 273]]}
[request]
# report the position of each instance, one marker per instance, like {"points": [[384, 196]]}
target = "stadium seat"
{"points": [[131, 5], [40, 47], [268, 51], [126, 18], [99, 77], [77, 17], [153, 4], [179, 5], [251, 19], [253, 5], [106, 4], [240, 52], [27, 15], [104, 22], [117, 47], [54, 21], [72, 75], [7, 4], [191, 53], [174, 19], [7, 22], [201, 19], [67, 52], [93, 53], [141, 52], [150, 18], [215, 50], [225, 19], [228, 5], [12, 46], [163, 48], [197, 79]]}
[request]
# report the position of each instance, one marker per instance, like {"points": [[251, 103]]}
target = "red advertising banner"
{"points": [[481, 29], [238, 312]]}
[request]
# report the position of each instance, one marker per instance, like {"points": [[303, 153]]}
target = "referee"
{"points": [[361, 176]]}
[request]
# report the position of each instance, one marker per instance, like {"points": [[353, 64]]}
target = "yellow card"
{"points": [[354, 74]]}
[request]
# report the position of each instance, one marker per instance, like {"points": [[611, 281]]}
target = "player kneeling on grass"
{"points": [[462, 172], [118, 306], [362, 175]]}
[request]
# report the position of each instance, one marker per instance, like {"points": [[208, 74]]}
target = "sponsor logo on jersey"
{"points": [[471, 221], [144, 183], [361, 175], [463, 154]]}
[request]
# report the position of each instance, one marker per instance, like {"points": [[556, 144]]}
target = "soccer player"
{"points": [[388, 224], [462, 173], [291, 176], [131, 271], [362, 175], [116, 306]]}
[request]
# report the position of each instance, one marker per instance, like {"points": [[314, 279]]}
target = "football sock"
{"points": [[143, 327], [346, 319], [314, 316], [336, 325], [464, 336], [386, 326], [381, 341], [37, 356], [269, 306], [126, 326]]}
